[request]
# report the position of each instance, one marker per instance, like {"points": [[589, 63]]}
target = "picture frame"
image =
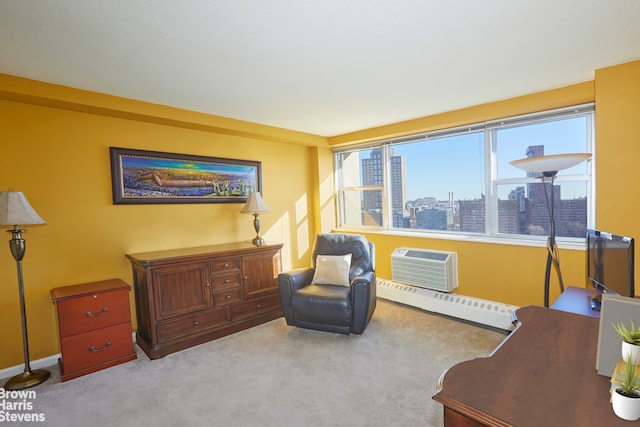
{"points": [[153, 177]]}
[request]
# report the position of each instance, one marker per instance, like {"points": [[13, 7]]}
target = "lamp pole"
{"points": [[551, 242], [28, 378]]}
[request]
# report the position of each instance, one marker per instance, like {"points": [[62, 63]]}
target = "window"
{"points": [[460, 180]]}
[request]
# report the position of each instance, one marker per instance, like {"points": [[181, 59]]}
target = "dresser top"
{"points": [[74, 291], [220, 249]]}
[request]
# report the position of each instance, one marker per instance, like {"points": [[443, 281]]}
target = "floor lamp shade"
{"points": [[15, 210], [550, 163], [255, 206]]}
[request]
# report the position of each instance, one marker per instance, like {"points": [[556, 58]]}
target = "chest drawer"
{"points": [[255, 307], [96, 347], [225, 280], [227, 296], [222, 265], [94, 311], [192, 324]]}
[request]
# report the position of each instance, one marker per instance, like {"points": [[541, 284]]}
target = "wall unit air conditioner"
{"points": [[425, 268]]}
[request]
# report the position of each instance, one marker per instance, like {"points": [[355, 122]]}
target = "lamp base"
{"points": [[258, 241], [27, 379]]}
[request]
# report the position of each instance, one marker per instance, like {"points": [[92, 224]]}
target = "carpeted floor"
{"points": [[276, 375]]}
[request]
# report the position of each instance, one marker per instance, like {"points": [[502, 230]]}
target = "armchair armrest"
{"points": [[363, 295], [288, 283], [296, 279]]}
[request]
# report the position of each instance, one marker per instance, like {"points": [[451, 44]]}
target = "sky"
{"points": [[430, 172]]}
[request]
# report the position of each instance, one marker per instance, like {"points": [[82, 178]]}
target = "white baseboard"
{"points": [[37, 364]]}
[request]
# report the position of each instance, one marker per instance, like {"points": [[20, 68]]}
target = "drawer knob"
{"points": [[258, 305], [98, 314], [196, 323], [226, 265], [227, 296], [227, 281], [208, 285], [98, 350]]}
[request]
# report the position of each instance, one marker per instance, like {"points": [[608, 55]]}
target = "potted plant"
{"points": [[625, 394], [630, 341]]}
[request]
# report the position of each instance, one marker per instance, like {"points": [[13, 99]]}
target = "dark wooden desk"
{"points": [[543, 374]]}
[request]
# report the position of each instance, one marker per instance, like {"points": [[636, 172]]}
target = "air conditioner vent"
{"points": [[425, 268]]}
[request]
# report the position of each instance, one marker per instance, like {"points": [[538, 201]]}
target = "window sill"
{"points": [[541, 242]]}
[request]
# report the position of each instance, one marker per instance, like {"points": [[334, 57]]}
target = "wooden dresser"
{"points": [[189, 296], [94, 322]]}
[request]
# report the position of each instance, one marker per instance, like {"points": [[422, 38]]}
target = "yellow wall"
{"points": [[55, 148], [618, 149]]}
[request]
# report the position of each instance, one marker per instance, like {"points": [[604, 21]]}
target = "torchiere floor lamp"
{"points": [[548, 166], [15, 210]]}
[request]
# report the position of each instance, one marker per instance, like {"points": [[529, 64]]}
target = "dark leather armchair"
{"points": [[327, 307]]}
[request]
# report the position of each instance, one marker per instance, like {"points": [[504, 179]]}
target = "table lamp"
{"points": [[549, 166], [255, 205]]}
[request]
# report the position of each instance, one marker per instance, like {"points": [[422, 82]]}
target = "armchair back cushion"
{"points": [[361, 250]]}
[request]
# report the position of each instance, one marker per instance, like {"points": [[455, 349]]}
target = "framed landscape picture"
{"points": [[154, 177]]}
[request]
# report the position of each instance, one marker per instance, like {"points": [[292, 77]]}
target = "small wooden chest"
{"points": [[94, 322]]}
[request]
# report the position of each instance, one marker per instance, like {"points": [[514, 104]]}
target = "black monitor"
{"points": [[609, 264]]}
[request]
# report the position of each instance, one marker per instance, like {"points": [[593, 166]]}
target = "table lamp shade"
{"points": [[255, 204], [16, 210]]}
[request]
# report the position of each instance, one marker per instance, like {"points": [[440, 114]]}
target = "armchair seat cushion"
{"points": [[322, 304]]}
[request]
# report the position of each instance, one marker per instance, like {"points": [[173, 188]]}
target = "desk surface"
{"points": [[577, 300], [543, 374]]}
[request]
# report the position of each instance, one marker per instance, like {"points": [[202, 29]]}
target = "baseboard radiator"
{"points": [[475, 310]]}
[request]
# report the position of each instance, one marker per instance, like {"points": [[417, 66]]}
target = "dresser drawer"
{"points": [[225, 280], [93, 348], [227, 296], [255, 307], [192, 324], [94, 311], [222, 265]]}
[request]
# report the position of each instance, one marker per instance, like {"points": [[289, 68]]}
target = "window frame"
{"points": [[491, 184]]}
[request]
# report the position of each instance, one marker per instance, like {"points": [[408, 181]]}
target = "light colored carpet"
{"points": [[277, 375]]}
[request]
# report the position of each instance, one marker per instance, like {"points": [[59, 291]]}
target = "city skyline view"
{"points": [[440, 183]]}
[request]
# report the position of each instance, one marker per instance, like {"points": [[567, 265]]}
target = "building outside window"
{"points": [[460, 181]]}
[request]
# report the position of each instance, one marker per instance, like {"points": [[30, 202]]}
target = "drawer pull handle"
{"points": [[98, 350], [98, 314]]}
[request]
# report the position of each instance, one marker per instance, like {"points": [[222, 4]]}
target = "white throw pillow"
{"points": [[332, 270]]}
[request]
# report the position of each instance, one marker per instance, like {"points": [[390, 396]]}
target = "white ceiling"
{"points": [[325, 67]]}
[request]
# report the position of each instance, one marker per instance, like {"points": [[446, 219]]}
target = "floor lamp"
{"points": [[548, 166], [14, 210]]}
